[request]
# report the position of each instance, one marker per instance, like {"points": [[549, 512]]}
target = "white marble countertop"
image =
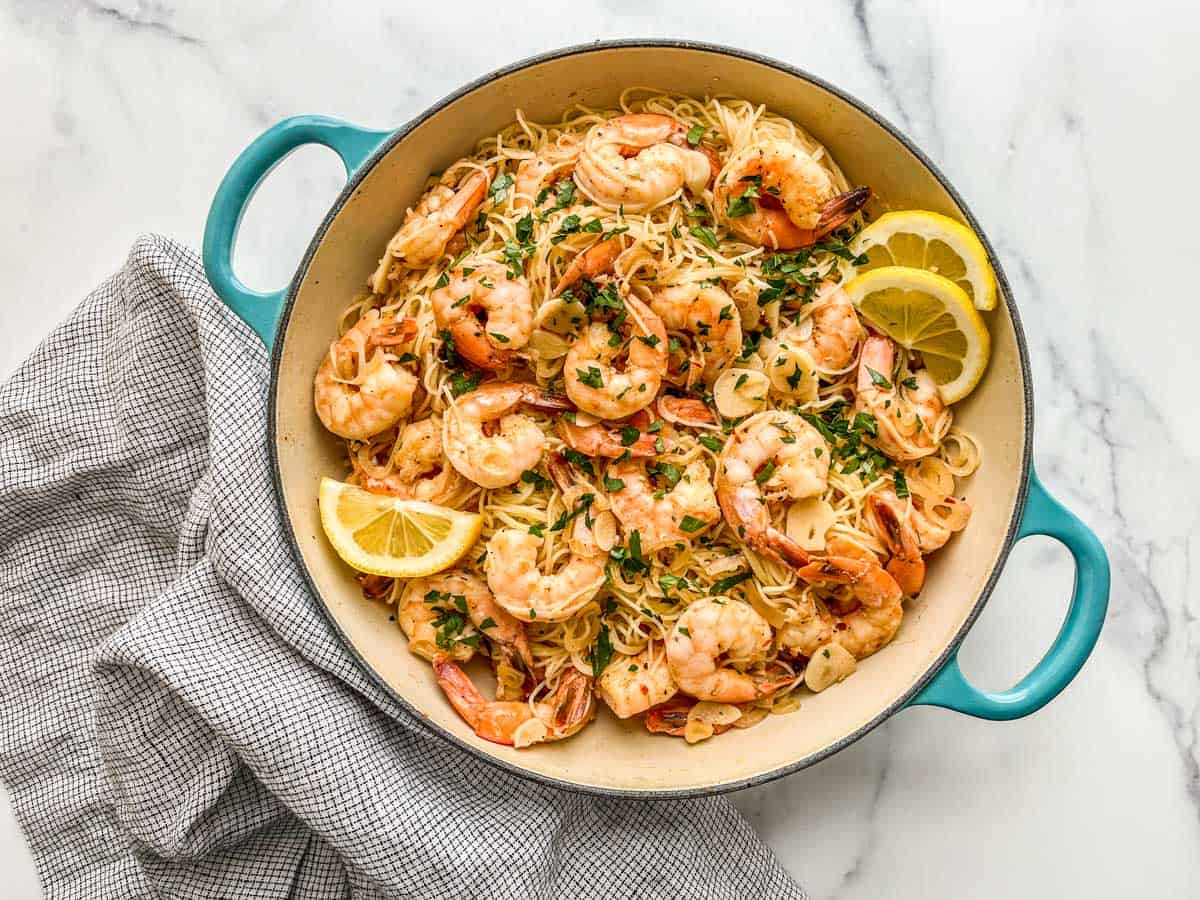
{"points": [[1056, 126]]}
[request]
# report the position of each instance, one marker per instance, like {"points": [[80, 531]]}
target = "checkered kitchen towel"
{"points": [[177, 719]]}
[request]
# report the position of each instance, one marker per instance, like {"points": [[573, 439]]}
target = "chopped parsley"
{"points": [[592, 377], [524, 229], [901, 485], [672, 583], [879, 380], [569, 226], [613, 484], [579, 461], [694, 134], [720, 587], [602, 652], [630, 558], [690, 524], [705, 235], [537, 479], [564, 194], [514, 256], [499, 188], [581, 506], [463, 383], [712, 443], [669, 471], [845, 437]]}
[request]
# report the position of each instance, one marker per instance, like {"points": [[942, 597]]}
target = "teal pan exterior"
{"points": [[1038, 512]]}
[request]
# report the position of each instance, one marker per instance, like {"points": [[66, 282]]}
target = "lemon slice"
{"points": [[392, 537], [932, 315], [928, 240]]}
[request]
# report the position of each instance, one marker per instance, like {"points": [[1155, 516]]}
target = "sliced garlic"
{"points": [[786, 704], [548, 345], [829, 665], [583, 420], [949, 513], [560, 316], [715, 713], [695, 731], [745, 296], [604, 531], [930, 478], [752, 717], [792, 371], [722, 564], [740, 392], [808, 521], [527, 733]]}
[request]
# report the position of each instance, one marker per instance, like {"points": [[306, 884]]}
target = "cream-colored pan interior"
{"points": [[611, 754]]}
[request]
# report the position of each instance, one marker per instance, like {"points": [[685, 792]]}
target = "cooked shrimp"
{"points": [[487, 441], [637, 161], [605, 440], [910, 414], [415, 467], [591, 262], [770, 455], [877, 618], [709, 639], [775, 194], [807, 628], [594, 382], [831, 333], [488, 313], [428, 601], [519, 585], [517, 724], [908, 533], [550, 165], [442, 213], [632, 684], [658, 512], [709, 316], [419, 622], [360, 390]]}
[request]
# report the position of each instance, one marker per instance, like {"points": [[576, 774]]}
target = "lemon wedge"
{"points": [[928, 240], [392, 537], [930, 314]]}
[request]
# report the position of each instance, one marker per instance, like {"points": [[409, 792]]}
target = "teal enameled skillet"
{"points": [[385, 172]]}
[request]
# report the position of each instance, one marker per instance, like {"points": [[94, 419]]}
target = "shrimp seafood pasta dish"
{"points": [[650, 409]]}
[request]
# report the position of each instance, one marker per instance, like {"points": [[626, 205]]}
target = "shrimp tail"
{"points": [[670, 717], [909, 574], [459, 690], [496, 721], [393, 332], [546, 401], [595, 260], [574, 703], [836, 212], [787, 549], [600, 440]]}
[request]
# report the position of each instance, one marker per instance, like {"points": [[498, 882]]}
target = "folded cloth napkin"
{"points": [[179, 720]]}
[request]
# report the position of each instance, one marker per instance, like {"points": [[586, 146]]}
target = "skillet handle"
{"points": [[1062, 662], [261, 309]]}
